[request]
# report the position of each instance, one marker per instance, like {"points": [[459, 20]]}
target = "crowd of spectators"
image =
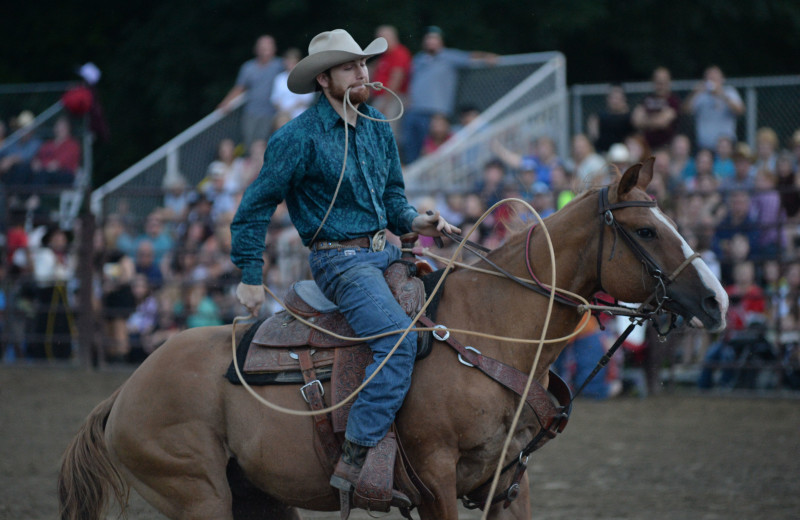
{"points": [[738, 207]]}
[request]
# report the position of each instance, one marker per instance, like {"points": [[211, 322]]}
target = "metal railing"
{"points": [[188, 153]]}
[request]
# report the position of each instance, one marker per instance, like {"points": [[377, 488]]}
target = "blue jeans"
{"points": [[353, 279]]}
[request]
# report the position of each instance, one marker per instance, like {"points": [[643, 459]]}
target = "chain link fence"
{"points": [[771, 101]]}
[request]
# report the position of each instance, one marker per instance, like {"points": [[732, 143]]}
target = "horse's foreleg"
{"points": [[519, 509], [439, 474]]}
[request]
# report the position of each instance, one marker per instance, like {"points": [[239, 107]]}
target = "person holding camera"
{"points": [[715, 106]]}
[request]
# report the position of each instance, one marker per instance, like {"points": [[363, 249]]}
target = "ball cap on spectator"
{"points": [[618, 153], [25, 118], [327, 50], [90, 73]]}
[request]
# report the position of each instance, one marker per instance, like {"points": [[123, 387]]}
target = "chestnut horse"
{"points": [[172, 428]]}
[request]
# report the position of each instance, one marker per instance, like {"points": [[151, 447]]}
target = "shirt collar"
{"points": [[329, 116]]}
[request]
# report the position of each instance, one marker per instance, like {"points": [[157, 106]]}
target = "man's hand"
{"points": [[251, 296], [432, 225]]}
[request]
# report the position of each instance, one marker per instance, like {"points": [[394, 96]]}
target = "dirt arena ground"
{"points": [[675, 456]]}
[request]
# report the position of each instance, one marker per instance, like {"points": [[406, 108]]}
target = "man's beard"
{"points": [[356, 96]]}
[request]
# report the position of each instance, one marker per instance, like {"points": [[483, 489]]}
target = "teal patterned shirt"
{"points": [[302, 165]]}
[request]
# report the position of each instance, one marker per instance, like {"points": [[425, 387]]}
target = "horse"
{"points": [[172, 429]]}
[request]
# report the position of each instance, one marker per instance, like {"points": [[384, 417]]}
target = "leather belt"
{"points": [[374, 243]]}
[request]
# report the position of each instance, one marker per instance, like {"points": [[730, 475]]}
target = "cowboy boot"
{"points": [[347, 470], [346, 473]]}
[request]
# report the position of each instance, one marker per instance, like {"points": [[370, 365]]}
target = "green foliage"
{"points": [[167, 64]]}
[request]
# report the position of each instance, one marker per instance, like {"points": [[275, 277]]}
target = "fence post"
{"points": [[752, 116], [86, 317]]}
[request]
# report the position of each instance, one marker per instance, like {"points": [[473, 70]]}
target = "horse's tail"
{"points": [[87, 472]]}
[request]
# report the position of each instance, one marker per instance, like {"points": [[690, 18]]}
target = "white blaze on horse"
{"points": [[172, 429]]}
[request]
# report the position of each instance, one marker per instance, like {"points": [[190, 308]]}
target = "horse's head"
{"points": [[643, 254]]}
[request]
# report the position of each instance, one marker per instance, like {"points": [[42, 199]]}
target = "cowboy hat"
{"points": [[327, 50]]}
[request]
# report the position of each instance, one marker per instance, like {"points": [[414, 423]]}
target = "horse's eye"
{"points": [[646, 233]]}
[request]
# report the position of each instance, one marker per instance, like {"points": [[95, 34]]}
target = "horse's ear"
{"points": [[646, 173], [629, 179]]}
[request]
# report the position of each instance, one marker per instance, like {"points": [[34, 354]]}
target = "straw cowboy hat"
{"points": [[327, 50]]}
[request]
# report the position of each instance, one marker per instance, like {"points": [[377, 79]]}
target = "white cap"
{"points": [[618, 153], [90, 73]]}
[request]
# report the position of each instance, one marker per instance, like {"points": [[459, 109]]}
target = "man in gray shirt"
{"points": [[434, 78], [256, 77]]}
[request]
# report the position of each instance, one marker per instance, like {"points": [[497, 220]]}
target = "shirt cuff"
{"points": [[251, 275]]}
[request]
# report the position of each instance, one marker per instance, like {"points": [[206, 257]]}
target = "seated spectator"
{"points": [[253, 163], [203, 310], [586, 162], [146, 265], [716, 107], [142, 322], [637, 147], [681, 166], [766, 149], [769, 215], [16, 158], [228, 165], [58, 159], [438, 133], [738, 220], [613, 124], [723, 158], [794, 147], [746, 313], [219, 191], [177, 197], [288, 104], [543, 159], [788, 184], [579, 358], [618, 160], [157, 234], [490, 187], [657, 114], [743, 174], [563, 186], [704, 167]]}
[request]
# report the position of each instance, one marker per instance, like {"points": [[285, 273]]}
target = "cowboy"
{"points": [[346, 237]]}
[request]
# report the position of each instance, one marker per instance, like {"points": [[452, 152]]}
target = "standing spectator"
{"points": [[58, 159], [766, 149], [432, 90], [256, 77], [715, 106], [657, 115], [53, 266], [613, 124], [438, 134], [393, 69], [288, 104], [117, 271]]}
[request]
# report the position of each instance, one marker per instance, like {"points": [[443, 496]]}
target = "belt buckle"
{"points": [[378, 241]]}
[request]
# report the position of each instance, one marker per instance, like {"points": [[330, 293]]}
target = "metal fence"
{"points": [[523, 98], [187, 154], [770, 101]]}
